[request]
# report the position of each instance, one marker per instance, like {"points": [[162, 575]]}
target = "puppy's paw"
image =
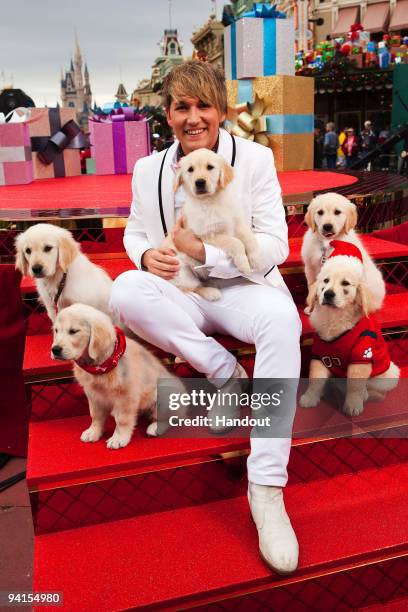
{"points": [[152, 430], [118, 440], [92, 434], [209, 293], [307, 311], [353, 407], [309, 400], [242, 264], [256, 261]]}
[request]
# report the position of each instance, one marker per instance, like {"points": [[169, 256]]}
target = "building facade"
{"points": [[76, 89], [375, 16], [148, 91], [208, 42]]}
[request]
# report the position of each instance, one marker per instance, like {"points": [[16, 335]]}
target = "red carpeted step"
{"points": [[376, 248], [50, 463], [37, 358], [150, 562], [114, 264]]}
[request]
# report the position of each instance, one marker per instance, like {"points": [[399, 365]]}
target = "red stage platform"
{"points": [[110, 196]]}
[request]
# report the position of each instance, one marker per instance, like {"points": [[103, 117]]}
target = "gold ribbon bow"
{"points": [[248, 120]]}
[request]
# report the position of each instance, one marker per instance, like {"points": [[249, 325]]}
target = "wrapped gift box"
{"points": [[56, 142], [358, 59], [90, 166], [256, 47], [16, 166], [116, 145], [278, 112]]}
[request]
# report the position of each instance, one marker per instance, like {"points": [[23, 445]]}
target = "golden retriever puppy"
{"points": [[118, 375], [63, 275], [331, 216], [211, 210], [348, 342]]}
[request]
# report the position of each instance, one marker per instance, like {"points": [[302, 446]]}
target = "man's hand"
{"points": [[161, 262], [187, 242]]}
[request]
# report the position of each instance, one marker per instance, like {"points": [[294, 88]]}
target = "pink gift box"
{"points": [[16, 166], [116, 146]]}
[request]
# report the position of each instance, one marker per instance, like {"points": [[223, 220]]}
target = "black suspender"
{"points": [[234, 151], [160, 195], [163, 221]]}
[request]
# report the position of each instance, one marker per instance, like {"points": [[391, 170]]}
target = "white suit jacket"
{"points": [[259, 195]]}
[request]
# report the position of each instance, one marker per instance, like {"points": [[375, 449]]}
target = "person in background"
{"points": [[318, 148], [330, 146], [384, 134], [341, 160], [403, 158], [350, 147], [384, 159], [368, 140]]}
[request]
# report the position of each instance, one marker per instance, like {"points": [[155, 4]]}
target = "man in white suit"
{"points": [[257, 309]]}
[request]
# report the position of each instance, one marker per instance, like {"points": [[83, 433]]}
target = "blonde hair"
{"points": [[196, 79]]}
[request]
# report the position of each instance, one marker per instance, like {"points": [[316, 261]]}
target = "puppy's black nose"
{"points": [[200, 184], [328, 227], [37, 269], [56, 350], [329, 295]]}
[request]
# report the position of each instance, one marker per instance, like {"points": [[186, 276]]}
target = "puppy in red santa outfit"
{"points": [[348, 342]]}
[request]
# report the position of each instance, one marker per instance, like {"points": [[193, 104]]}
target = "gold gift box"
{"points": [[282, 95], [292, 151], [286, 95]]}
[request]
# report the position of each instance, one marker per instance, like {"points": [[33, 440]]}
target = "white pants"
{"points": [[180, 324]]}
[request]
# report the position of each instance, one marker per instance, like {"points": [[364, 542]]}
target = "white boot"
{"points": [[278, 544], [233, 385]]}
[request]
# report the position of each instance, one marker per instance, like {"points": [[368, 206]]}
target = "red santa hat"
{"points": [[345, 249], [346, 253]]}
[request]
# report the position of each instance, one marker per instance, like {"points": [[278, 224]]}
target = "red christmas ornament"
{"points": [[345, 49]]}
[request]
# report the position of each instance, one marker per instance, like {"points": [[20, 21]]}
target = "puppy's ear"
{"points": [[21, 262], [312, 297], [351, 217], [365, 299], [178, 181], [309, 218], [226, 174], [68, 249], [100, 339]]}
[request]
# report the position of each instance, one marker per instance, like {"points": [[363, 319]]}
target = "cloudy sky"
{"points": [[117, 39]]}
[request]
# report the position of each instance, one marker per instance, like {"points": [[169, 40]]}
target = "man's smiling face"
{"points": [[194, 123]]}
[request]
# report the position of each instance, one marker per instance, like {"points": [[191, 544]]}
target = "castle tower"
{"points": [[79, 84], [87, 89], [76, 88]]}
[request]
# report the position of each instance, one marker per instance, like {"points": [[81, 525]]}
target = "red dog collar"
{"points": [[112, 361]]}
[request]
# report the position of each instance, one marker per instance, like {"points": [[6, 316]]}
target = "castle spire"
{"points": [[77, 47]]}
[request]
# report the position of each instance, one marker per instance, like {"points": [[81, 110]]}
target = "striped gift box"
{"points": [[256, 47], [287, 119], [16, 166]]}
